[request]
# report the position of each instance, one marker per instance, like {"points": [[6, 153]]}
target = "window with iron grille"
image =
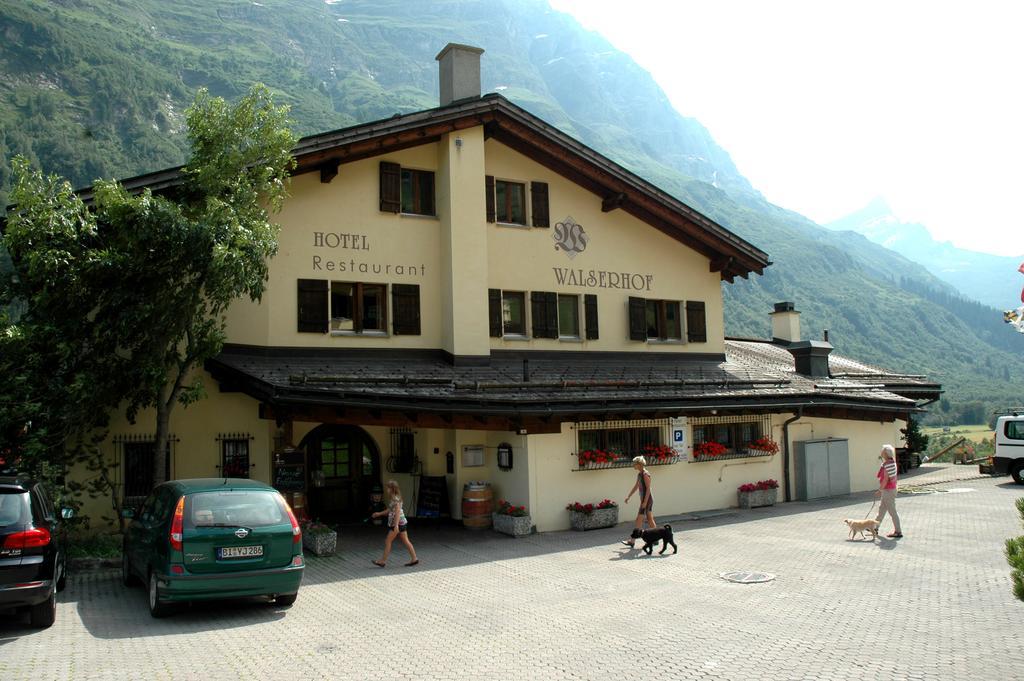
{"points": [[234, 457]]}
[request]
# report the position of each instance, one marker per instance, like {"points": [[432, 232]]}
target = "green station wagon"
{"points": [[210, 538]]}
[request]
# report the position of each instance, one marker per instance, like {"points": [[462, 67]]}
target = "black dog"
{"points": [[652, 537]]}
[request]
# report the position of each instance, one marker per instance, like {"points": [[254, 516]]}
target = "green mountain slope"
{"points": [[96, 88]]}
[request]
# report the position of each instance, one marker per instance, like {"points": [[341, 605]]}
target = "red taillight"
{"points": [[177, 523], [296, 530], [29, 539]]}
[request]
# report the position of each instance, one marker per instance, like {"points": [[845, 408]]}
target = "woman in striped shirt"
{"points": [[887, 490]]}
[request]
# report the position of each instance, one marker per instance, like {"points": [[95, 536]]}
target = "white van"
{"points": [[1009, 456]]}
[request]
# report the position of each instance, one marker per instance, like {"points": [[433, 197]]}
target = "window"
{"points": [[510, 202], [622, 443], [1014, 430], [568, 316], [138, 469], [418, 192], [661, 320], [406, 190], [506, 202], [358, 308], [552, 315], [730, 432], [353, 307], [513, 313], [234, 458], [334, 457]]}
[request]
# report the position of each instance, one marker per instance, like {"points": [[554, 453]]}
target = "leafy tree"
{"points": [[1015, 557], [916, 440], [133, 292]]}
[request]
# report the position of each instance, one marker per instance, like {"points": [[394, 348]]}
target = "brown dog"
{"points": [[862, 526]]}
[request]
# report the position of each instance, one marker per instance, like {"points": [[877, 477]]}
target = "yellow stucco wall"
{"points": [[525, 259]]}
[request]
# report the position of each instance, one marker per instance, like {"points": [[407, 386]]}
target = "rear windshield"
{"points": [[233, 509], [14, 508]]}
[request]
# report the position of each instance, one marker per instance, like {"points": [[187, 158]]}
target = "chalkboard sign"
{"points": [[290, 477], [432, 501]]}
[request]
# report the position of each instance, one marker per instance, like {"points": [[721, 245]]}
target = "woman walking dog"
{"points": [[646, 491], [887, 491]]}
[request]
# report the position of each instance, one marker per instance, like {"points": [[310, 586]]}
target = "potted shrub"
{"points": [[595, 457], [512, 520], [319, 538], [754, 494], [592, 516], [703, 451]]}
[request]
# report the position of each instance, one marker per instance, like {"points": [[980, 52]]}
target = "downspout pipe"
{"points": [[785, 451]]}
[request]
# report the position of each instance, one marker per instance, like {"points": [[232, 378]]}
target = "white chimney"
{"points": [[785, 323], [459, 71]]}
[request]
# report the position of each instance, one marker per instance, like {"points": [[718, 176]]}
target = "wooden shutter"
{"points": [[494, 311], [544, 314], [637, 319], [313, 305], [405, 304], [539, 204], [489, 189], [390, 187], [590, 313], [696, 322]]}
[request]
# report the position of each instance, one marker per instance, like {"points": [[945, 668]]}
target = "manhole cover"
{"points": [[746, 576]]}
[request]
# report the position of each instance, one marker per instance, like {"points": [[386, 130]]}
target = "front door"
{"points": [[344, 466]]}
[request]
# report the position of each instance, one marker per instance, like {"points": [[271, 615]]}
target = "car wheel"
{"points": [[157, 606], [43, 614], [286, 599], [1018, 473], [127, 577]]}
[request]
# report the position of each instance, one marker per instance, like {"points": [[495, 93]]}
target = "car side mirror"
{"points": [[67, 513], [128, 513]]}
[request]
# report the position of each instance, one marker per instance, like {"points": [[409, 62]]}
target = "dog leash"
{"points": [[870, 510]]}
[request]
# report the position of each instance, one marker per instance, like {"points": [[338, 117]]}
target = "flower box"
{"points": [[599, 517], [758, 497], [321, 543], [514, 526]]}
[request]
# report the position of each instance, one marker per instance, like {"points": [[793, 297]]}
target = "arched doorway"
{"points": [[346, 460]]}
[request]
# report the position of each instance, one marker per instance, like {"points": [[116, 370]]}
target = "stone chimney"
{"points": [[785, 323], [459, 71]]}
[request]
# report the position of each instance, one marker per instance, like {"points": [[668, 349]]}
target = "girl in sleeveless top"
{"points": [[643, 487], [396, 526]]}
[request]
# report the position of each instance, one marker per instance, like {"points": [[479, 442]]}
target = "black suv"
{"points": [[33, 550]]}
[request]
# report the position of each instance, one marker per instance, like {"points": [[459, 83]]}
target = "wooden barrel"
{"points": [[477, 504]]}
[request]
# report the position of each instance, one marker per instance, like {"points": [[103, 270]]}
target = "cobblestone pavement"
{"points": [[571, 605]]}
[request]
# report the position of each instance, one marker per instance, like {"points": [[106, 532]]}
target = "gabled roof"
{"points": [[618, 188]]}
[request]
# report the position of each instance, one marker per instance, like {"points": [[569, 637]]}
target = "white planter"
{"points": [[759, 497], [322, 544], [512, 525], [599, 517]]}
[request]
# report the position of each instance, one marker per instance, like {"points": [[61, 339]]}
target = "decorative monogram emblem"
{"points": [[569, 237]]}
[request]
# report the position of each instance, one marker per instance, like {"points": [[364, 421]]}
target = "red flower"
{"points": [[764, 444], [710, 448]]}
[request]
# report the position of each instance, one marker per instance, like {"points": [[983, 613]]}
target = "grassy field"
{"points": [[975, 433]]}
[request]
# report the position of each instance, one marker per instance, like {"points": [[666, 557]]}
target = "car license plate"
{"points": [[239, 552]]}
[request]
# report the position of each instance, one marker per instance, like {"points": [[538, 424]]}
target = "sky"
{"points": [[824, 105]]}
